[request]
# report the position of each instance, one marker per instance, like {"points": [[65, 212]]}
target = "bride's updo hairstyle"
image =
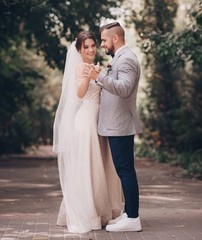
{"points": [[81, 37]]}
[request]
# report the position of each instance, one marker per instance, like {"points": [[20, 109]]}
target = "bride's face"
{"points": [[88, 50]]}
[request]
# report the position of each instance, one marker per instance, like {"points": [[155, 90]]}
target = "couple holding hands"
{"points": [[94, 129]]}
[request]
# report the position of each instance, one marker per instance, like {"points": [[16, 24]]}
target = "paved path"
{"points": [[170, 202]]}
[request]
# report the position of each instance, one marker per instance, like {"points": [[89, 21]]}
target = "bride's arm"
{"points": [[82, 82]]}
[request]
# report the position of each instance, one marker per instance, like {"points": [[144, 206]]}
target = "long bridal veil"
{"points": [[68, 104], [64, 145]]}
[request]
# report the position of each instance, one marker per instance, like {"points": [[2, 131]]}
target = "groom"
{"points": [[118, 119]]}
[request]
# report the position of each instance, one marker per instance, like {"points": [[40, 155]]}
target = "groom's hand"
{"points": [[92, 71]]}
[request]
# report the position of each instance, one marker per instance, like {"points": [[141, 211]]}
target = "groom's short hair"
{"points": [[115, 27], [110, 25]]}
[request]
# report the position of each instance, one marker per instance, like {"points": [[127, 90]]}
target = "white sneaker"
{"points": [[122, 216], [125, 224]]}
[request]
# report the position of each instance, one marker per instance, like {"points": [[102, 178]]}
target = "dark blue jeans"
{"points": [[122, 149]]}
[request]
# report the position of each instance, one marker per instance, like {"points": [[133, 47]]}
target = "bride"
{"points": [[91, 190]]}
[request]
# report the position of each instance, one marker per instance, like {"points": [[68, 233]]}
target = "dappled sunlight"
{"points": [[161, 193], [27, 185], [38, 229], [9, 200], [4, 181], [158, 186], [54, 194], [20, 215], [160, 198], [161, 190], [44, 235]]}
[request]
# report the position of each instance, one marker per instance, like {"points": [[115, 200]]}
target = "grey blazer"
{"points": [[118, 114]]}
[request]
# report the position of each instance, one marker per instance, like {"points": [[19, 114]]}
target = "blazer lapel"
{"points": [[119, 54]]}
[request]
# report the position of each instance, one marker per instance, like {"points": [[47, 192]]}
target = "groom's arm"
{"points": [[126, 79]]}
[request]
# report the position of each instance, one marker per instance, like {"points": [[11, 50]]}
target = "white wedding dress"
{"points": [[91, 189]]}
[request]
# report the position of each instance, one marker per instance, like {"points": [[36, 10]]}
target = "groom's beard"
{"points": [[111, 51]]}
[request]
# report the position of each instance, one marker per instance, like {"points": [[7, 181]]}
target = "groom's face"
{"points": [[107, 42]]}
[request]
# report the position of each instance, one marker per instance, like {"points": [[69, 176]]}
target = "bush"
{"points": [[191, 161]]}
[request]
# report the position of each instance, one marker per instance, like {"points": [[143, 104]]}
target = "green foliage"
{"points": [[155, 21], [43, 26], [16, 85], [172, 114], [18, 133], [191, 161], [43, 23], [173, 93]]}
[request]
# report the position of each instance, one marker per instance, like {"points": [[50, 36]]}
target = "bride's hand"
{"points": [[97, 67], [91, 71]]}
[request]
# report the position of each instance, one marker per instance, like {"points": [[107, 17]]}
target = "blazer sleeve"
{"points": [[123, 79]]}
